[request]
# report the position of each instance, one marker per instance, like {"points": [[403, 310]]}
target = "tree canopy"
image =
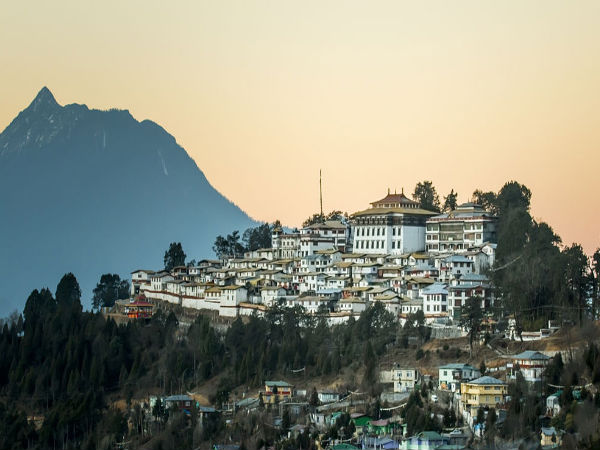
{"points": [[321, 218], [257, 237], [450, 201], [174, 256], [427, 196], [109, 289], [229, 246]]}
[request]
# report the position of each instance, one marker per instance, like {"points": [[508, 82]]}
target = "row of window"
{"points": [[370, 244], [436, 308], [377, 231], [377, 244]]}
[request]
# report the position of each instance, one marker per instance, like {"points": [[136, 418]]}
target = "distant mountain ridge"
{"points": [[93, 191]]}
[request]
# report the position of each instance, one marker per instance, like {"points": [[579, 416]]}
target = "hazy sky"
{"points": [[376, 94]]}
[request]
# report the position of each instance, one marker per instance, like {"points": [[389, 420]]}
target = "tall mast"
{"points": [[321, 192]]}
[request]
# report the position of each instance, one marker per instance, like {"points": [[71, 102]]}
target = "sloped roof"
{"points": [[486, 380], [531, 354], [384, 211], [278, 384], [395, 199], [457, 366], [430, 435]]}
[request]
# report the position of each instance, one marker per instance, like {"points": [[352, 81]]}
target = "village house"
{"points": [[352, 305], [179, 402], [391, 302], [285, 245], [452, 375], [404, 379], [483, 392], [425, 440], [139, 278], [435, 301], [231, 297], [553, 403], [312, 304], [550, 438], [409, 306], [468, 286], [328, 396], [530, 363], [453, 266], [276, 391], [270, 294], [334, 230]]}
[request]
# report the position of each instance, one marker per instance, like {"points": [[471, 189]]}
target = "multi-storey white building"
{"points": [[435, 300], [451, 375], [468, 286], [467, 226], [330, 234], [285, 245], [404, 379], [393, 225]]}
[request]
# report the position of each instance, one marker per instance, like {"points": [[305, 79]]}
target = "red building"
{"points": [[139, 309]]}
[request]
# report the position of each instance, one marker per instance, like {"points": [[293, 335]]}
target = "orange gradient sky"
{"points": [[468, 94]]}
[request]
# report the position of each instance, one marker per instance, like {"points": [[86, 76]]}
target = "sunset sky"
{"points": [[468, 94]]}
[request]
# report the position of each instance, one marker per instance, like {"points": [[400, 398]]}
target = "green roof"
{"points": [[430, 435], [362, 421]]}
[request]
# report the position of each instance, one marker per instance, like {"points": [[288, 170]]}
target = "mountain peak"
{"points": [[43, 99]]}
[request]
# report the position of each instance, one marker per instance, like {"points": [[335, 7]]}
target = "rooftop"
{"points": [[486, 380], [531, 354], [395, 199]]}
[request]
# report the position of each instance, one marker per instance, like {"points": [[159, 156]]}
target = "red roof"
{"points": [[395, 198]]}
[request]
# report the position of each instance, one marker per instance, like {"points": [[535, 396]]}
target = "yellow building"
{"points": [[481, 393]]}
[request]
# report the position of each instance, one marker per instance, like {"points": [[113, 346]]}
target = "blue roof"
{"points": [[458, 258], [278, 383], [206, 409], [531, 354], [436, 288], [487, 380], [178, 398], [329, 291], [457, 366]]}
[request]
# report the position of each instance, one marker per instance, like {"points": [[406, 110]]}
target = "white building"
{"points": [[469, 225], [231, 297], [270, 294], [139, 278], [403, 378], [285, 245], [334, 230], [352, 305], [472, 285], [451, 375], [435, 300], [531, 364], [393, 225], [311, 304]]}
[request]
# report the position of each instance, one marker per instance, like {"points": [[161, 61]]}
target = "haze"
{"points": [[376, 94]]}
